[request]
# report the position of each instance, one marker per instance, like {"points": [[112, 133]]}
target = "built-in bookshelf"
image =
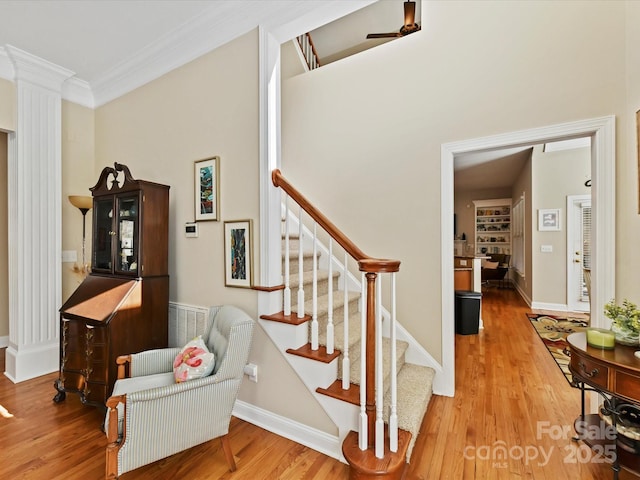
{"points": [[493, 226]]}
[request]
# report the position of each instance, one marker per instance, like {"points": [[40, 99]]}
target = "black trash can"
{"points": [[467, 312]]}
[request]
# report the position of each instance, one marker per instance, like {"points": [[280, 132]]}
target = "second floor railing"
{"points": [[308, 50]]}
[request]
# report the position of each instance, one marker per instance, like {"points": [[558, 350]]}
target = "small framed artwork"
{"points": [[237, 254], [549, 219], [207, 189]]}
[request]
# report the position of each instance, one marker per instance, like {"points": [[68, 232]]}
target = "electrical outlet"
{"points": [[251, 371]]}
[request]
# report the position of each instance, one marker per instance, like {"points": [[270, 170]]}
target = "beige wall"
{"points": [[208, 107], [555, 175], [372, 125], [78, 175], [4, 237]]}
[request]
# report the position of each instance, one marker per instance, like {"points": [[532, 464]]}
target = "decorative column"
{"points": [[34, 197]]}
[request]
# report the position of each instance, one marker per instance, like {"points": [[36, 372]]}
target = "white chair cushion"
{"points": [[136, 384]]}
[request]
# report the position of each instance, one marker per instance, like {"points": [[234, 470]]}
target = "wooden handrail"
{"points": [[366, 264]]}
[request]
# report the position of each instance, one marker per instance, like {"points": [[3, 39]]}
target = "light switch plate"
{"points": [[69, 256]]}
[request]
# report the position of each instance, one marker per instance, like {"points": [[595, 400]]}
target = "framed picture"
{"points": [[237, 254], [207, 189], [549, 219]]}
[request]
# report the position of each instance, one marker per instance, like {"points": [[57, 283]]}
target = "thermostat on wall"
{"points": [[191, 229]]}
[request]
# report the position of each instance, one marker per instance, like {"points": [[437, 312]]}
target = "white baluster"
{"points": [[393, 414], [379, 441], [346, 362], [330, 342], [300, 268], [314, 318], [287, 289], [363, 432]]}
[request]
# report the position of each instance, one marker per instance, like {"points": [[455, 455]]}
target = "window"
{"points": [[518, 231]]}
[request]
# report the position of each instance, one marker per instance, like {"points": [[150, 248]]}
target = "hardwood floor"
{"points": [[509, 394]]}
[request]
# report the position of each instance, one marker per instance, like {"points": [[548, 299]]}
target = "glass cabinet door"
{"points": [[127, 243], [103, 235]]}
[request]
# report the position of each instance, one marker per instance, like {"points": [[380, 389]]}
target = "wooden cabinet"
{"points": [[122, 306], [493, 226]]}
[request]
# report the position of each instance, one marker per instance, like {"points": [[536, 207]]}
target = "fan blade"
{"points": [[384, 35], [409, 13]]}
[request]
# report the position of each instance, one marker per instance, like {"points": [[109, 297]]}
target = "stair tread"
{"points": [[415, 388], [401, 348]]}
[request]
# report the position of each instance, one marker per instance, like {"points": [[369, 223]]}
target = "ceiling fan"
{"points": [[409, 26]]}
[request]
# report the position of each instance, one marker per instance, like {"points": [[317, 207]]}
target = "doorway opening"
{"points": [[602, 133]]}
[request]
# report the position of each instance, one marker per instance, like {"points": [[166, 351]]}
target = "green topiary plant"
{"points": [[625, 320]]}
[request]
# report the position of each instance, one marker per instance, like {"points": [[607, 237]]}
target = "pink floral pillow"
{"points": [[193, 361]]}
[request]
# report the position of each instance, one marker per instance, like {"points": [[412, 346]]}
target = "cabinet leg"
{"points": [[61, 395]]}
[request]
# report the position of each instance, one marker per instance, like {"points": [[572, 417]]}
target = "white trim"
{"points": [[4, 341], [602, 132], [318, 440]]}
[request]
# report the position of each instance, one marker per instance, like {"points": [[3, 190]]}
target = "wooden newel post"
{"points": [[371, 358]]}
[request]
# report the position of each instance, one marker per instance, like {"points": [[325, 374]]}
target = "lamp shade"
{"points": [[81, 201]]}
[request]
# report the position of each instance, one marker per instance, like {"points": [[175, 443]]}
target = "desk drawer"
{"points": [[627, 385], [591, 372]]}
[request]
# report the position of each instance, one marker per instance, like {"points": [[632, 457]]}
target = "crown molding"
{"points": [[78, 91], [178, 47]]}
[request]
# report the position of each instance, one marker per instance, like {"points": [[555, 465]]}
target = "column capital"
{"points": [[36, 70]]}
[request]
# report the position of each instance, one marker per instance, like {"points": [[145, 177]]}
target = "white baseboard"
{"points": [[558, 307], [310, 437], [4, 341]]}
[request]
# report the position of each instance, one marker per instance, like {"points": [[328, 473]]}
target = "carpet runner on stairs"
{"points": [[414, 381]]}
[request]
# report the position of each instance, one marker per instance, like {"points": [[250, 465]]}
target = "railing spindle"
{"points": [[300, 268], [346, 361], [393, 413], [363, 435], [379, 447], [314, 294], [287, 288], [330, 342]]}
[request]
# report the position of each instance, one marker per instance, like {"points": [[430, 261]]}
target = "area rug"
{"points": [[553, 332]]}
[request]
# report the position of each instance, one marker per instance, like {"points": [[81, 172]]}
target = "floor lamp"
{"points": [[84, 204]]}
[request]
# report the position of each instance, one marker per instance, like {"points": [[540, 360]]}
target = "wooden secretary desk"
{"points": [[122, 306]]}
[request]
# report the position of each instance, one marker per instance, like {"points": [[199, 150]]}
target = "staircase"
{"points": [[377, 428]]}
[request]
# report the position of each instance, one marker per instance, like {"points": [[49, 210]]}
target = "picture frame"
{"points": [[207, 189], [238, 258], [549, 219]]}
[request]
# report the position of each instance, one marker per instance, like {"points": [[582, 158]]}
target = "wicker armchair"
{"points": [[150, 417]]}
